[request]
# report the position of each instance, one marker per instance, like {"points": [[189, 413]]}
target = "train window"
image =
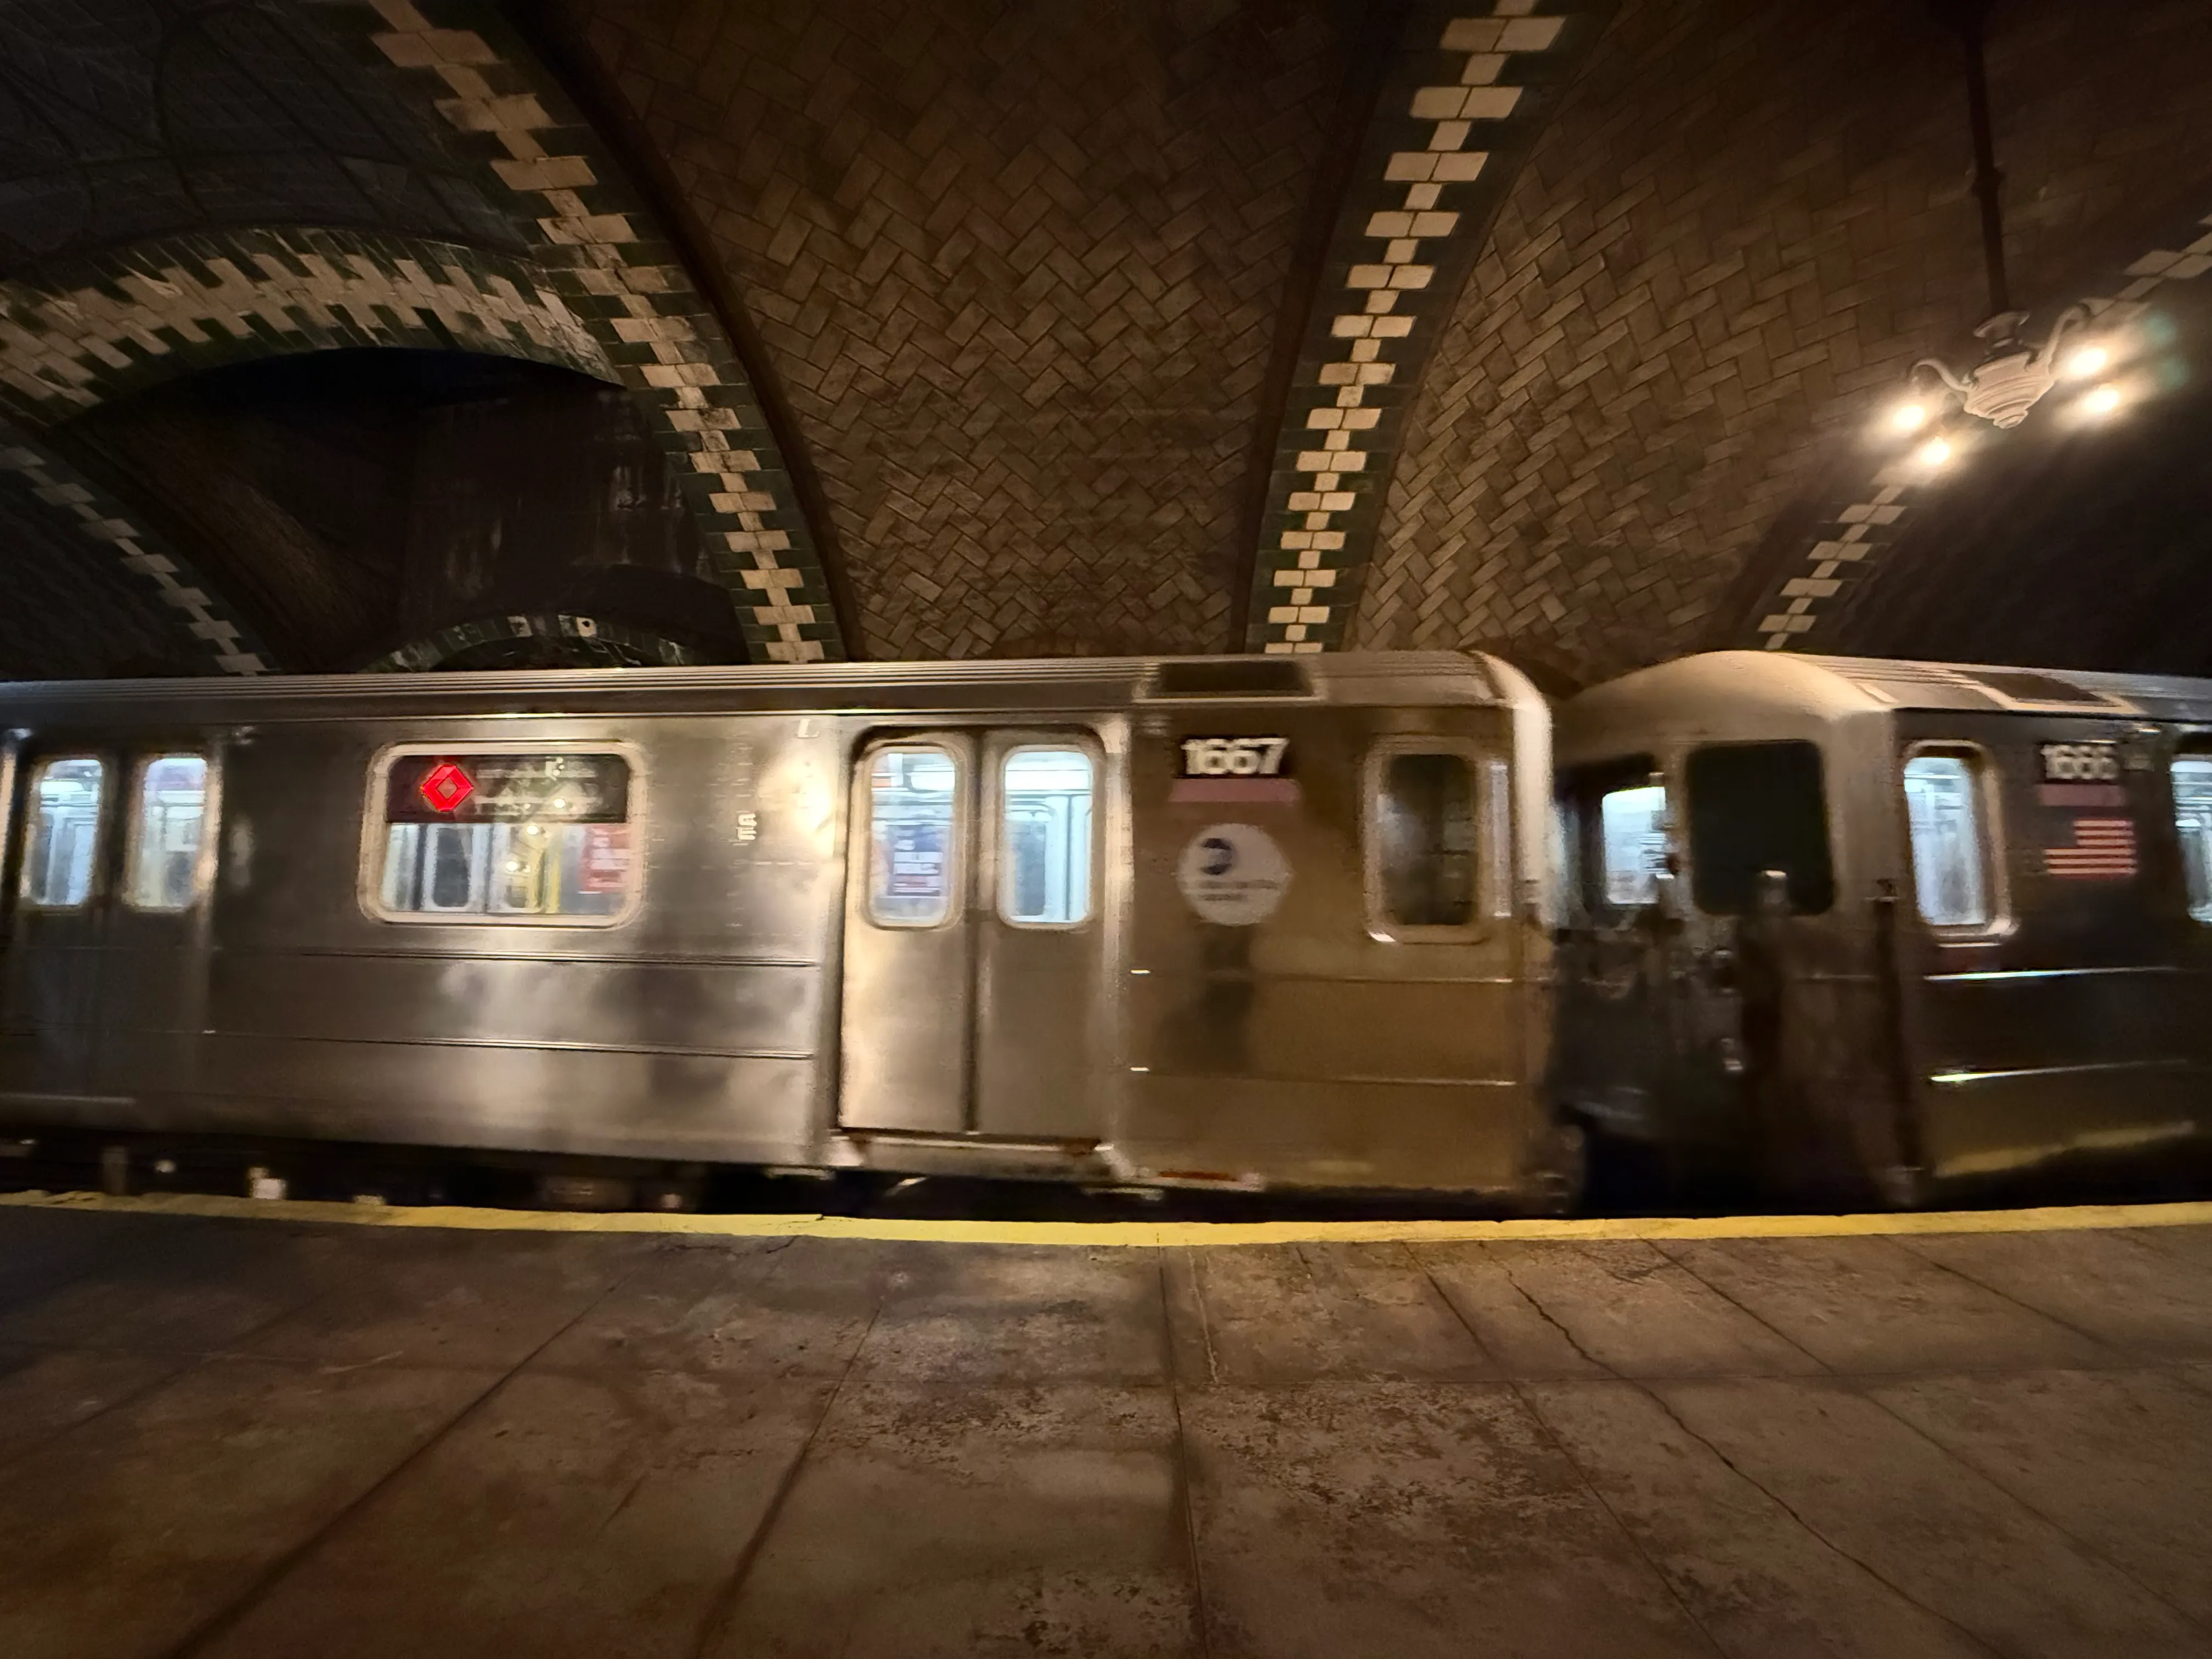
{"points": [[1633, 837], [1044, 857], [2193, 824], [507, 837], [912, 811], [1424, 846], [166, 833], [1497, 833], [64, 832], [1950, 861], [1753, 807]]}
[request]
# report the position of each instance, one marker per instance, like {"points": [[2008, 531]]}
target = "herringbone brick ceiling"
{"points": [[1022, 270], [1018, 268]]}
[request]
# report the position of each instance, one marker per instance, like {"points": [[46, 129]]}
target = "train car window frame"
{"points": [[2195, 849], [203, 849], [1721, 886], [1579, 795], [1001, 846], [958, 832], [31, 816], [1988, 841], [1602, 868], [1382, 923], [374, 831]]}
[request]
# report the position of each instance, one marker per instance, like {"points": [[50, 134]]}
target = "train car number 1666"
{"points": [[1235, 758]]}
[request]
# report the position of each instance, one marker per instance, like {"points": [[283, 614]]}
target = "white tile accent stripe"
{"points": [[683, 365], [123, 539], [54, 347], [1844, 540], [1371, 294]]}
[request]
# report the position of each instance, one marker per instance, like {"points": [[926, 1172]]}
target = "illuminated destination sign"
{"points": [[463, 788]]}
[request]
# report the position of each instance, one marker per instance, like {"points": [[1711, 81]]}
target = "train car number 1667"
{"points": [[1235, 758]]}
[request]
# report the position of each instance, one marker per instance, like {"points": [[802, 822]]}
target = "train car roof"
{"points": [[1741, 685], [1005, 685]]}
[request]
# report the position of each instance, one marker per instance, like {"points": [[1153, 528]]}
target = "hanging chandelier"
{"points": [[2013, 372]]}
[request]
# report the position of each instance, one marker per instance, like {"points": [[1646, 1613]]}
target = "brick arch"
{"points": [[1461, 98], [608, 251], [82, 567], [1742, 226], [177, 307]]}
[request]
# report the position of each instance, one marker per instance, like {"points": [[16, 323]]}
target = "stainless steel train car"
{"points": [[1888, 927], [1248, 922]]}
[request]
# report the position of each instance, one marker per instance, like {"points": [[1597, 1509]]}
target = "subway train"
{"points": [[1870, 930]]}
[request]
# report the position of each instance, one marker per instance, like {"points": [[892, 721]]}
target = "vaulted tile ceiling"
{"points": [[1563, 328]]}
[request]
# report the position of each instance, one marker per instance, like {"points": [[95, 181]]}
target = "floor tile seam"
{"points": [[2091, 1551], [1185, 1478], [263, 1357], [1820, 1537], [1762, 1322], [2095, 1342], [1850, 1379], [188, 1360], [131, 1397], [1582, 1475], [1999, 1292], [229, 1616], [966, 1382], [723, 1608], [1505, 1268], [970, 1382], [2154, 1239], [1204, 1314], [1458, 1313]]}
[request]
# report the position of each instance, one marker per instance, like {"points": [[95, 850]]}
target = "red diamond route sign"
{"points": [[445, 785]]}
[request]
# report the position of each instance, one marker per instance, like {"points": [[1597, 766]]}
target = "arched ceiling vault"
{"points": [[962, 327]]}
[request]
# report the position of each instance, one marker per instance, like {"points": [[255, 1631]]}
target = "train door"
{"points": [[62, 805], [1617, 1023], [975, 971], [154, 985]]}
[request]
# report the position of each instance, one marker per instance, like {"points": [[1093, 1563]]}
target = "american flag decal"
{"points": [[2104, 849]]}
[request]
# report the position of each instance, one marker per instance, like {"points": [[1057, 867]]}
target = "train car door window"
{"points": [[504, 836], [1632, 842], [1755, 807], [1421, 856], [167, 832], [1951, 856], [2192, 824], [914, 840], [1046, 798], [63, 836]]}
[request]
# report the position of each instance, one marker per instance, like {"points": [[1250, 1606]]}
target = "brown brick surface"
{"points": [[1745, 223], [1018, 268]]}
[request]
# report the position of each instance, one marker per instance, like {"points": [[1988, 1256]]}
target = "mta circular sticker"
{"points": [[1233, 874]]}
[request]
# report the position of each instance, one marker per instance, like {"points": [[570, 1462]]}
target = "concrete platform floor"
{"points": [[247, 1437]]}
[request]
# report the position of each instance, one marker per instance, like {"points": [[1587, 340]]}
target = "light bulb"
{"points": [[2087, 362], [2103, 401], [1909, 418], [1934, 452]]}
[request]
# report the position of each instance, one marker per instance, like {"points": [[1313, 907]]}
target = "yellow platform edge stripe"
{"points": [[1134, 1235]]}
